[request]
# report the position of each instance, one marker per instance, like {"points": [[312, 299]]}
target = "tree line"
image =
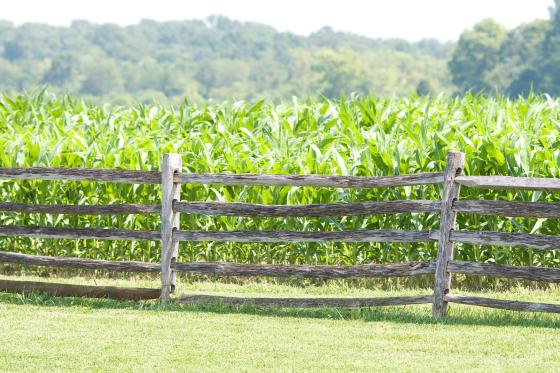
{"points": [[218, 58], [489, 57]]}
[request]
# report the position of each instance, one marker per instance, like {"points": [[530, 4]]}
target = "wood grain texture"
{"points": [[454, 167], [307, 271], [305, 302], [509, 208], [312, 180], [79, 263], [78, 233], [504, 304], [310, 210], [523, 240], [82, 174], [66, 290], [80, 209], [297, 236], [505, 271], [510, 182], [171, 192]]}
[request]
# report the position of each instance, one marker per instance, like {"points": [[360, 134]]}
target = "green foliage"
{"points": [[519, 55], [550, 65], [355, 136], [476, 53], [424, 88], [341, 72], [213, 59], [523, 60]]}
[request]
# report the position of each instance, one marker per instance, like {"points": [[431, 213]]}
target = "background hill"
{"points": [[218, 58], [212, 59]]}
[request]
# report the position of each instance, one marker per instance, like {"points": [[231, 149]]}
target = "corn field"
{"points": [[354, 136]]}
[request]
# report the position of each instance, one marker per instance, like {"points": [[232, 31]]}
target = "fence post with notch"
{"points": [[454, 167], [171, 191]]}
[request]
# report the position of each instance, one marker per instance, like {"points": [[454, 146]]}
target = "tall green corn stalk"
{"points": [[355, 136]]}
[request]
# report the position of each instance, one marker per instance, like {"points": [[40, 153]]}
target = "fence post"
{"points": [[169, 222], [453, 168]]}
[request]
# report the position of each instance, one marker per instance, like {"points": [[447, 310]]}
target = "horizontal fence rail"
{"points": [[311, 210], [79, 233], [509, 208], [297, 236], [521, 240], [504, 304], [306, 302], [509, 182], [307, 271], [506, 271], [230, 269], [80, 209], [79, 263], [67, 290], [312, 180], [82, 174]]}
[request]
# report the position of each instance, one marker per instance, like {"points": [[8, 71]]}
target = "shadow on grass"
{"points": [[415, 314]]}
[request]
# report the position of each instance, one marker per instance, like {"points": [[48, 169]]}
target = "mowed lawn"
{"points": [[41, 333]]}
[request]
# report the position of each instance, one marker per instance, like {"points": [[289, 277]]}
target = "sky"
{"points": [[407, 19]]}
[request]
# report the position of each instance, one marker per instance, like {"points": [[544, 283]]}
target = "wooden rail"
{"points": [[82, 174], [523, 240], [504, 304], [312, 180], [509, 182], [78, 233], [297, 236], [230, 269], [509, 208], [308, 271], [66, 290], [306, 302], [80, 209], [78, 263], [171, 178], [506, 271], [311, 210]]}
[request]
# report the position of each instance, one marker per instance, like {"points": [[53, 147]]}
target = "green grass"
{"points": [[42, 333]]}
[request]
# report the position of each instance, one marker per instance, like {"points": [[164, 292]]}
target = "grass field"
{"points": [[41, 333]]}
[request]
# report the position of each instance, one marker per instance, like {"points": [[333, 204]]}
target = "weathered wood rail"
{"points": [[171, 178], [307, 302], [311, 210], [311, 180], [80, 209]]}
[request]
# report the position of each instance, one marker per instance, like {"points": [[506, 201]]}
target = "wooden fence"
{"points": [[170, 234]]}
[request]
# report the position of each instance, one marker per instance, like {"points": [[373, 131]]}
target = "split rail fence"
{"points": [[171, 178]]}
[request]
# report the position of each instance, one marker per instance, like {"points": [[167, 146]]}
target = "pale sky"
{"points": [[408, 19]]}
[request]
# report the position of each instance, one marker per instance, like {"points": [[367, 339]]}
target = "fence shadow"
{"points": [[415, 314]]}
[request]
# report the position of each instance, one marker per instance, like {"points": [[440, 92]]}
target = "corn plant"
{"points": [[353, 136]]}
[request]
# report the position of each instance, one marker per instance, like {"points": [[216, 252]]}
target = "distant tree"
{"points": [[341, 71], [61, 70], [476, 54], [550, 67], [516, 72], [424, 88], [214, 58], [528, 81], [13, 51], [101, 78]]}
